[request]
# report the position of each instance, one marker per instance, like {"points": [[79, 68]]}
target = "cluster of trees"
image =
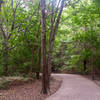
{"points": [[79, 48], [18, 36], [27, 34], [32, 30]]}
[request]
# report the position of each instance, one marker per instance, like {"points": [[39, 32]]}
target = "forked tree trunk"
{"points": [[52, 39], [43, 48]]}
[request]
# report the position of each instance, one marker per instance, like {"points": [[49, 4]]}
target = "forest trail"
{"points": [[76, 87]]}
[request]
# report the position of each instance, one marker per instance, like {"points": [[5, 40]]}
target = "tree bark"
{"points": [[43, 48], [84, 65], [32, 60], [38, 63], [5, 57], [92, 69], [52, 38]]}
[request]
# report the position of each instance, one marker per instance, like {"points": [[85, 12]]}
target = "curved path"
{"points": [[76, 87]]}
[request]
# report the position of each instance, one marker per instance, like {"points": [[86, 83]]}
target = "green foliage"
{"points": [[77, 39], [82, 37], [24, 38]]}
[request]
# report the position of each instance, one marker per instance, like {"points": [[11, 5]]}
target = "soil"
{"points": [[29, 91]]}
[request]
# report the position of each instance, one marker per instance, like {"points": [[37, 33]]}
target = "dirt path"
{"points": [[75, 87]]}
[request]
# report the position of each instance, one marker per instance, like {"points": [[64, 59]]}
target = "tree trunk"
{"points": [[38, 63], [93, 73], [92, 69], [32, 60], [43, 48], [84, 65], [37, 75], [52, 38], [5, 57], [49, 63]]}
